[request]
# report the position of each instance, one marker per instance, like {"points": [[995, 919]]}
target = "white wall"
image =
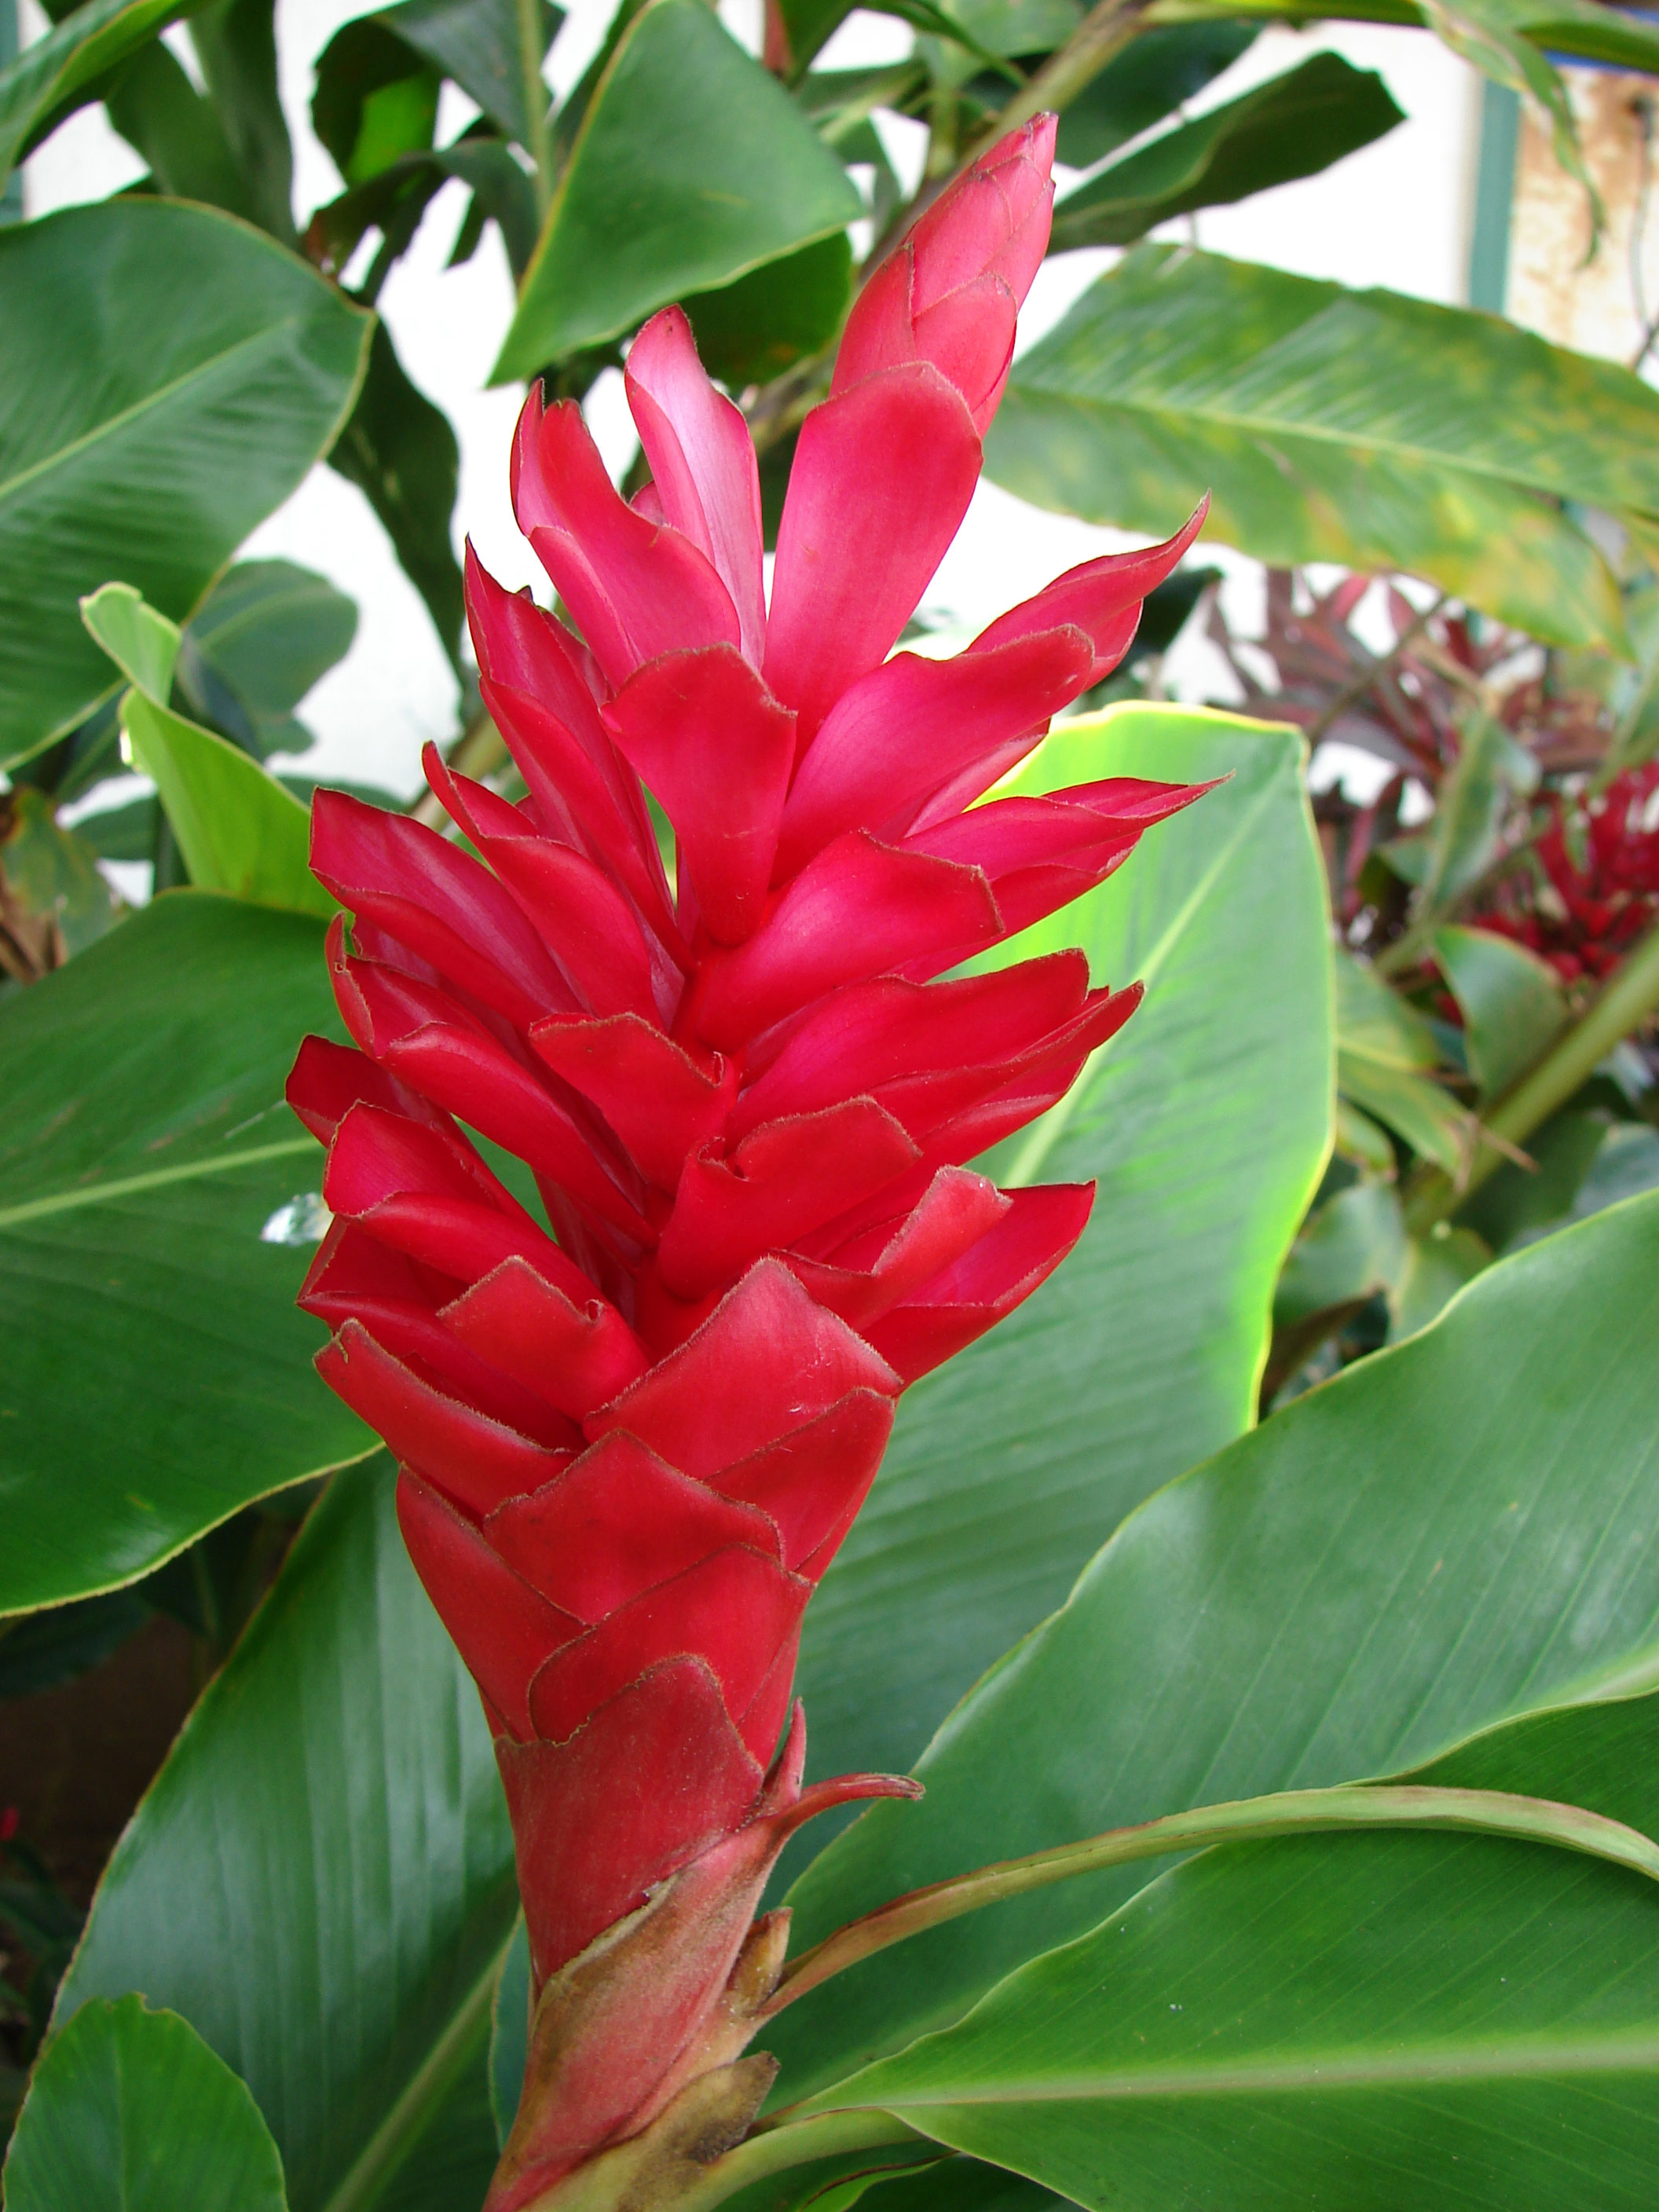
{"points": [[1395, 214]]}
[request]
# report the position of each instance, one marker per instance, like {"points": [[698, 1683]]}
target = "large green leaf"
{"points": [[158, 1209], [1373, 2022], [166, 377], [692, 167], [1291, 126], [320, 1879], [238, 830], [130, 2112], [1206, 1122], [478, 43], [1359, 427], [1456, 1531]]}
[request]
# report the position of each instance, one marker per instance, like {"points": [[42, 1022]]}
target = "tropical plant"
{"points": [[1279, 1830]]}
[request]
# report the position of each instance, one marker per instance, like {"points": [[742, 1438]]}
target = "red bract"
{"points": [[631, 1447], [1599, 857]]}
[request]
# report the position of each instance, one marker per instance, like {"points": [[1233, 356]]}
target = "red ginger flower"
{"points": [[1590, 915], [628, 1455]]}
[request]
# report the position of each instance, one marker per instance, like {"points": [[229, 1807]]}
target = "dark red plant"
{"points": [[1596, 890], [630, 1448]]}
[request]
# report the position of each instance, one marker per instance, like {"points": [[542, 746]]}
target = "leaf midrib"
{"points": [[1265, 427], [1529, 2058], [61, 456], [67, 1201]]}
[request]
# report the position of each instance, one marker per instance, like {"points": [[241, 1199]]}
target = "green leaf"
{"points": [[479, 44], [1357, 427], [752, 330], [130, 2112], [1437, 1266], [320, 1879], [1153, 75], [55, 74], [376, 98], [1379, 2020], [691, 168], [1383, 1048], [1291, 126], [237, 828], [1461, 1530], [159, 113], [1512, 1003], [42, 1649], [265, 635], [235, 42], [161, 1210], [1518, 1201], [1206, 1122], [400, 452], [1353, 1247], [509, 2032], [166, 377], [1463, 838]]}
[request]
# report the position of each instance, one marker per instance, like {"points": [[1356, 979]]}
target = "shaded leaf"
{"points": [[1357, 427], [1512, 1003], [51, 895], [692, 167], [1518, 1201], [400, 452], [752, 330], [1455, 1532], [1154, 75], [509, 2032], [1461, 840], [1291, 126], [161, 114], [235, 42], [130, 2112], [266, 632], [1352, 1248], [1436, 1267], [479, 43], [1206, 1122], [139, 340], [238, 830], [320, 1879], [39, 1651], [159, 1374]]}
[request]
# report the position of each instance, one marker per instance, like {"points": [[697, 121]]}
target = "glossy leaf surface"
{"points": [[1357, 427], [160, 1216], [56, 74], [692, 167], [139, 342], [1292, 126], [321, 1882], [1206, 1122], [1369, 2021], [1455, 1532], [266, 632], [130, 2112]]}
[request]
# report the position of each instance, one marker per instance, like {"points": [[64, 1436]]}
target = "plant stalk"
{"points": [[1290, 1813], [1629, 994], [1103, 34], [536, 102]]}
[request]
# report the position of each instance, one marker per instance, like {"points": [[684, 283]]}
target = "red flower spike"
{"points": [[635, 1426]]}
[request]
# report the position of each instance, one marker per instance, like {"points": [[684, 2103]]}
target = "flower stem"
{"points": [[1104, 32], [1631, 992], [1290, 1813]]}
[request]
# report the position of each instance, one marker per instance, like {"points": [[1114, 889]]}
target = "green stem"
{"points": [[1629, 994], [536, 101], [1291, 1813], [1098, 39]]}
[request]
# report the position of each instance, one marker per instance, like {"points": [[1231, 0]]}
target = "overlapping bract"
{"points": [[631, 1447]]}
